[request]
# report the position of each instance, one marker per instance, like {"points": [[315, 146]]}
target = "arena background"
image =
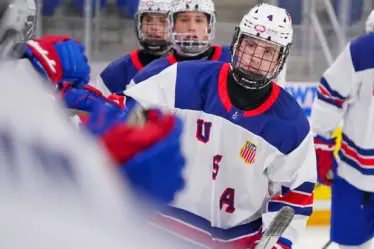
{"points": [[322, 29]]}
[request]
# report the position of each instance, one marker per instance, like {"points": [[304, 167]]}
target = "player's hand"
{"points": [[148, 153], [256, 239], [104, 116], [60, 59], [326, 163], [119, 99]]}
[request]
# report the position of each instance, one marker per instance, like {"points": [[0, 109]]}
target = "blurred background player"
{"points": [[192, 27], [58, 188], [151, 28], [345, 96], [247, 142]]}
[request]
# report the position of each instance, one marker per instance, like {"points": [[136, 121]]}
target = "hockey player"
{"points": [[345, 93], [192, 25], [61, 59], [151, 28], [57, 187], [248, 144]]}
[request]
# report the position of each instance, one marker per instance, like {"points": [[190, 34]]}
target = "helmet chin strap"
{"points": [[206, 55], [256, 82], [181, 47], [184, 54]]}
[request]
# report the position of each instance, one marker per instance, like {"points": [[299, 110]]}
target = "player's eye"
{"points": [[269, 52], [250, 44], [199, 20], [161, 20], [148, 19], [184, 19]]}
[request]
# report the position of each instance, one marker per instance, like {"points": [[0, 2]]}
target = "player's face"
{"points": [[257, 56], [155, 26], [191, 26]]}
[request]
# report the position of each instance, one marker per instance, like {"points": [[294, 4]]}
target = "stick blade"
{"points": [[277, 227]]}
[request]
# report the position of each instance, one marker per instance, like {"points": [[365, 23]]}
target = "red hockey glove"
{"points": [[326, 163], [148, 153], [124, 141], [59, 58]]}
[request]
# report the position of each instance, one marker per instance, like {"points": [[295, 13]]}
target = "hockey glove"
{"points": [[326, 163], [60, 59], [149, 155], [119, 99], [281, 244], [87, 99], [104, 117]]}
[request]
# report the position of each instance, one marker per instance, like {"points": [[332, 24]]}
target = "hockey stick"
{"points": [[327, 244], [279, 224]]}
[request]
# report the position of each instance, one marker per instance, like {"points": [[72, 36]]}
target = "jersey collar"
{"points": [[224, 96], [134, 55], [216, 55]]}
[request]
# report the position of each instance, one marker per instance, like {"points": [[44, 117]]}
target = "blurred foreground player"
{"points": [[369, 24], [58, 189], [345, 95], [247, 142]]}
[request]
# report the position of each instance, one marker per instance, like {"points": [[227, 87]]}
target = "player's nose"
{"points": [[259, 52], [154, 27], [191, 26]]}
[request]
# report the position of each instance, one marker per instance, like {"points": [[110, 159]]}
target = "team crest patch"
{"points": [[248, 152]]}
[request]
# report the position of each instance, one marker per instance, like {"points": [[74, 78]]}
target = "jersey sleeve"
{"points": [[179, 86], [336, 90], [157, 91], [292, 178], [153, 68], [115, 77]]}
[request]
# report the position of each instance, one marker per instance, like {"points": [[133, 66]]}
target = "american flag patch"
{"points": [[248, 152]]}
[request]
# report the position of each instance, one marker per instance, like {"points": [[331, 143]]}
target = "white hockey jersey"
{"points": [[57, 187], [345, 93], [242, 166]]}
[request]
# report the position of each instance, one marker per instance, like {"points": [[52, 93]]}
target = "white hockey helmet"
{"points": [[265, 23], [17, 25], [154, 41], [192, 47]]}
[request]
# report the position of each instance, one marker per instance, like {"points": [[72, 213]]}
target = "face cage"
{"points": [[10, 47], [252, 77], [157, 47], [30, 27], [192, 47], [12, 41]]}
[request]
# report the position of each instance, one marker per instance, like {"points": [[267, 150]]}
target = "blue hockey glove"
{"points": [[60, 59]]}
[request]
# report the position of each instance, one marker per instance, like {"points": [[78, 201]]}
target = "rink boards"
{"points": [[304, 93]]}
